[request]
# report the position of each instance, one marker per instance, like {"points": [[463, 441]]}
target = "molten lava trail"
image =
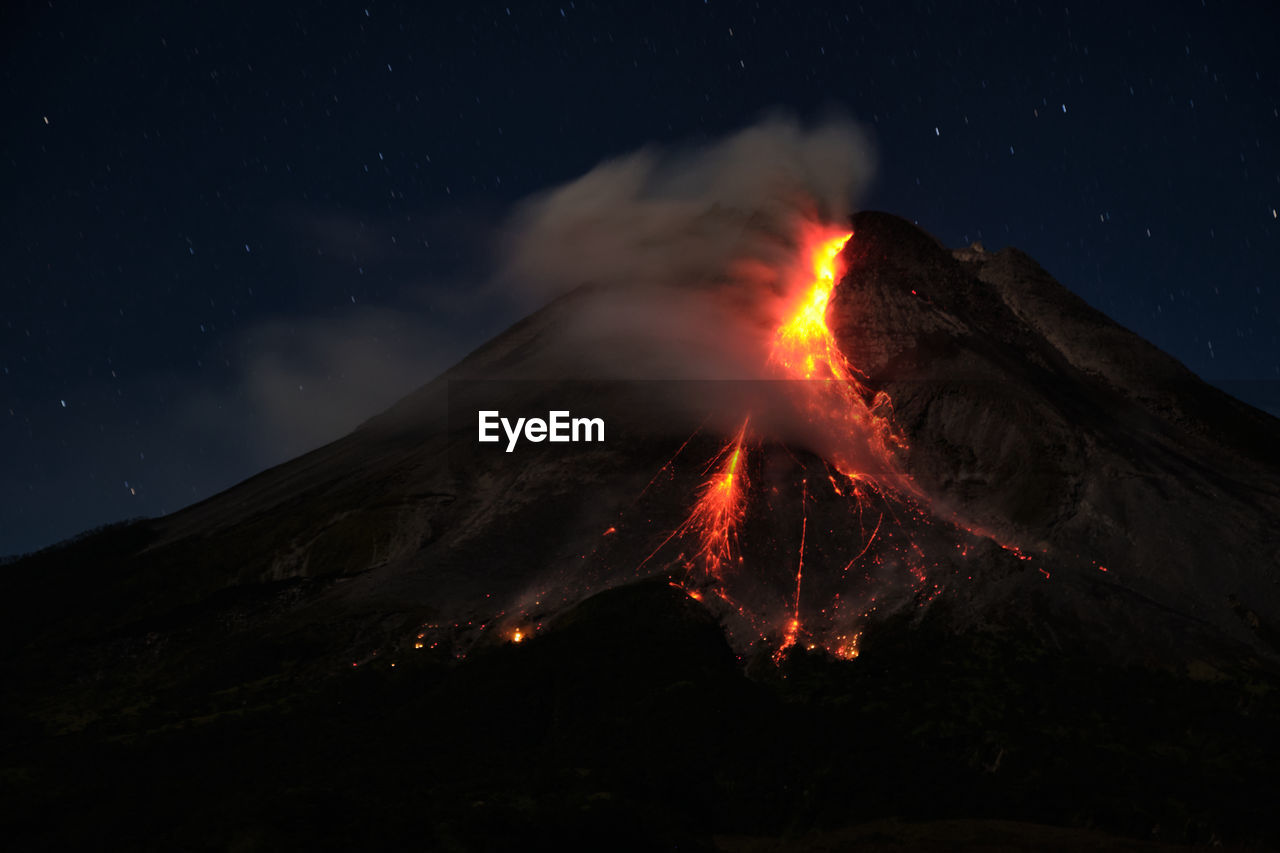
{"points": [[804, 345], [804, 528], [793, 625], [670, 462], [852, 432], [861, 435], [865, 547], [718, 512], [721, 507], [830, 397]]}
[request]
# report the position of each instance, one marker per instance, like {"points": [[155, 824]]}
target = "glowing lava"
{"points": [[850, 429], [856, 437], [847, 646], [804, 345], [857, 424], [721, 505]]}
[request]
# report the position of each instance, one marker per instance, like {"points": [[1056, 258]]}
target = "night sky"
{"points": [[231, 233]]}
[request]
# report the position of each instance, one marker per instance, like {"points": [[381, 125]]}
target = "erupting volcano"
{"points": [[951, 505], [857, 455], [937, 425]]}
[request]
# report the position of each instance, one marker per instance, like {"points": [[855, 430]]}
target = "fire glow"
{"points": [[794, 543], [720, 508], [861, 434], [804, 345], [857, 522], [831, 397]]}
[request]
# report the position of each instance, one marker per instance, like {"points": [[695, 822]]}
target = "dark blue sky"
{"points": [[232, 231]]}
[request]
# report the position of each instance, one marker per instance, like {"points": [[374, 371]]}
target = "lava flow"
{"points": [[718, 512], [720, 508], [804, 345], [850, 434], [861, 436], [834, 485], [832, 400]]}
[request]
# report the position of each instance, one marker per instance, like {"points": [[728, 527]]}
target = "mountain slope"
{"points": [[1060, 588]]}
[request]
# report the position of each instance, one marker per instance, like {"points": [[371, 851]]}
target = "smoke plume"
{"points": [[685, 249]]}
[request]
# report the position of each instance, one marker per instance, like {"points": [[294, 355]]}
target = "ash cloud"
{"points": [[686, 249], [684, 217], [690, 259]]}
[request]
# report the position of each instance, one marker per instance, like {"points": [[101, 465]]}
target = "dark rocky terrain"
{"points": [[322, 655], [1035, 416]]}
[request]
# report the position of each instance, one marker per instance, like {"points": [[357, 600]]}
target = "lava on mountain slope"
{"points": [[863, 524]]}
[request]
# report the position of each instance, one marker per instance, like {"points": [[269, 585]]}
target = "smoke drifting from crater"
{"points": [[685, 245], [686, 249]]}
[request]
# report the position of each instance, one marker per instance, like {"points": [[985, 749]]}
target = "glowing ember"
{"points": [[517, 636], [721, 504], [788, 638], [692, 593], [847, 647]]}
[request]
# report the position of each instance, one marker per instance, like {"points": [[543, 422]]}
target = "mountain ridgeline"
{"points": [[1069, 618]]}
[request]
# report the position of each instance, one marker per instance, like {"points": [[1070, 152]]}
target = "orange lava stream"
{"points": [[855, 436], [804, 347], [720, 507]]}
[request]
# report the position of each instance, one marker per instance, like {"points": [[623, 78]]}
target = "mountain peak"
{"points": [[975, 514]]}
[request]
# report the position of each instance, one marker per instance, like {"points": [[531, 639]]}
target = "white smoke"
{"points": [[686, 247]]}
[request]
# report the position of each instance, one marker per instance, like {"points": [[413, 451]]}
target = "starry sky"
{"points": [[233, 231]]}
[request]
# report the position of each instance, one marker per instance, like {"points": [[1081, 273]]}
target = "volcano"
{"points": [[956, 549]]}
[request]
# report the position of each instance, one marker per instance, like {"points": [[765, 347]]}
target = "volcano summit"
{"points": [[937, 541]]}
